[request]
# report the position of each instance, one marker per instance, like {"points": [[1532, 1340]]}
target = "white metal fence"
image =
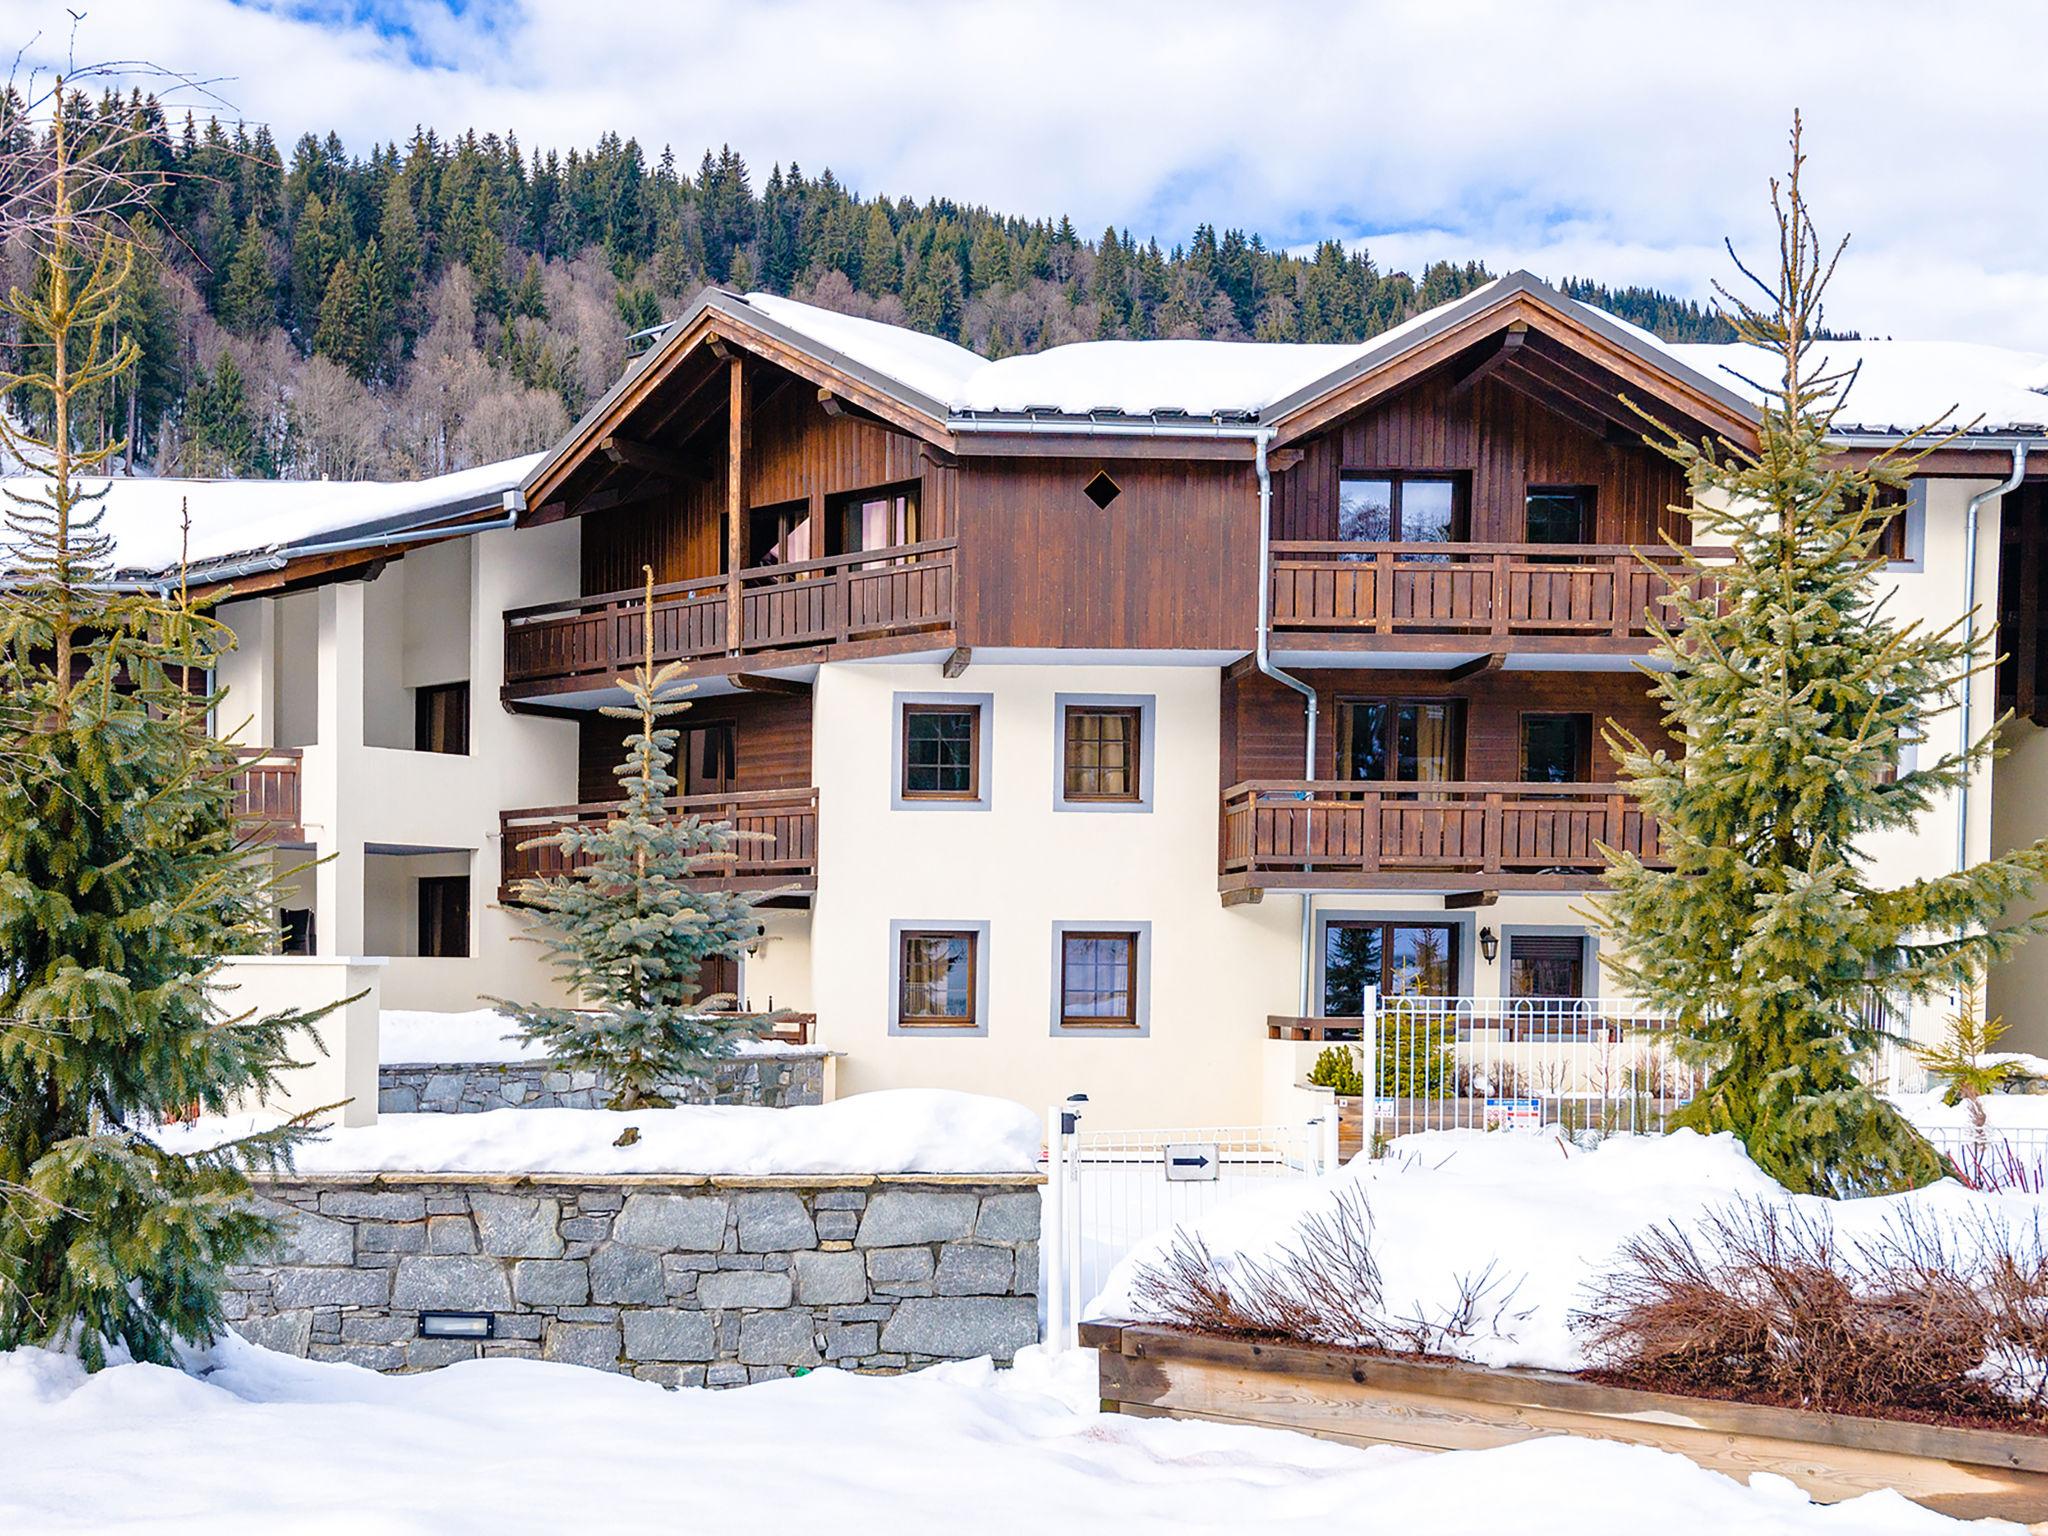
{"points": [[1590, 1067], [1107, 1191]]}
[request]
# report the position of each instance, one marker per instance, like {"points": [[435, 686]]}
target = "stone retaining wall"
{"points": [[685, 1281], [782, 1080]]}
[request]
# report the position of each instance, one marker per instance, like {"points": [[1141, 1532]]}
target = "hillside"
{"points": [[451, 302]]}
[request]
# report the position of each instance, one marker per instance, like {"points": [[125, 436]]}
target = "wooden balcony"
{"points": [[1490, 597], [267, 796], [779, 849], [881, 594], [1354, 835]]}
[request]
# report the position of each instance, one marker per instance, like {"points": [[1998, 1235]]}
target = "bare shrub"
{"points": [[1930, 1316], [1326, 1288]]}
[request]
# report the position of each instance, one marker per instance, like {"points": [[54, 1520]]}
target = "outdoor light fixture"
{"points": [[1489, 945], [458, 1325]]}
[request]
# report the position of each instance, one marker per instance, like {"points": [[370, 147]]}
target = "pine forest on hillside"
{"points": [[453, 302]]}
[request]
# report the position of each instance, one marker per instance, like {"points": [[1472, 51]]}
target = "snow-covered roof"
{"points": [[232, 519], [1901, 386]]}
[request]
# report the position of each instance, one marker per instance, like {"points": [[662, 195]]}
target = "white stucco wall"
{"points": [[2019, 986], [1021, 866]]}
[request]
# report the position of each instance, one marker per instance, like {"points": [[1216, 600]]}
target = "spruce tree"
{"points": [[628, 929], [1793, 691], [123, 882]]}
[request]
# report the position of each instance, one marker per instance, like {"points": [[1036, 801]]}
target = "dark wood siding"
{"points": [[797, 453], [1171, 563], [1505, 443], [1262, 721], [771, 743]]}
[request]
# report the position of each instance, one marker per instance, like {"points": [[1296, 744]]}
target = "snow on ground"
{"points": [[409, 1037], [262, 1443], [904, 1130], [2019, 1114], [1447, 1204]]}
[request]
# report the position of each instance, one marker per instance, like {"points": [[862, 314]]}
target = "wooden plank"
{"points": [[1434, 1405], [735, 495]]}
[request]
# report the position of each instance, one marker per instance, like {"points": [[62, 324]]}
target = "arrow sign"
{"points": [[1195, 1161]]}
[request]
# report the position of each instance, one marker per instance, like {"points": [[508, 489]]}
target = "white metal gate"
{"points": [[1107, 1191]]}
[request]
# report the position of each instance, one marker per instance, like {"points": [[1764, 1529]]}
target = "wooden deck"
{"points": [[1354, 834], [583, 642], [779, 850], [1490, 594]]}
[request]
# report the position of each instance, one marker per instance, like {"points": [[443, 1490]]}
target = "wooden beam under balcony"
{"points": [[653, 460]]}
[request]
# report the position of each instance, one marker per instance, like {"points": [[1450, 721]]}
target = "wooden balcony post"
{"points": [[1493, 833], [1499, 595], [735, 496], [1623, 623], [1383, 590]]}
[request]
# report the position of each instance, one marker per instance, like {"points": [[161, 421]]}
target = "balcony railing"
{"points": [[901, 589], [778, 846], [1483, 591], [267, 795], [1339, 833]]}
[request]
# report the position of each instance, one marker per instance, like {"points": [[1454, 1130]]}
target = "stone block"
{"points": [[391, 1237], [840, 1199], [450, 1234], [837, 1226], [975, 1269], [377, 1328], [402, 1100], [1026, 1283], [443, 1091], [667, 1333], [899, 1266], [668, 1222], [960, 1327], [518, 1226], [371, 1357], [846, 1341], [289, 1333], [1008, 1217], [551, 1282], [430, 1354], [304, 1238], [728, 1375], [831, 1279], [586, 1229], [743, 1288], [521, 1325], [778, 1338], [373, 1204], [593, 1344], [452, 1283], [622, 1274], [899, 1216], [331, 1288], [775, 1221]]}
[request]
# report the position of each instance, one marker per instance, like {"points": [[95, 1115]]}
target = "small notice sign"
{"points": [[1514, 1114], [1191, 1160]]}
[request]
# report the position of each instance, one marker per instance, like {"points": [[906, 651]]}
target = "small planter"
{"points": [[1440, 1405]]}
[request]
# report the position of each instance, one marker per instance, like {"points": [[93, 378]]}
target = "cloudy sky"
{"points": [[1615, 140]]}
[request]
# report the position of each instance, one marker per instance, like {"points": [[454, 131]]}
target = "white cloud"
{"points": [[1613, 140]]}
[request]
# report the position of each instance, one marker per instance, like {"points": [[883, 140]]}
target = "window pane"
{"points": [[1559, 516], [1363, 741], [1351, 963], [938, 752], [1421, 961], [1101, 749], [1554, 748], [1365, 511], [1428, 511], [1425, 743], [937, 976], [1545, 966], [1095, 977]]}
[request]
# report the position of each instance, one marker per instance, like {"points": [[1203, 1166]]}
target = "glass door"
{"points": [[1400, 959]]}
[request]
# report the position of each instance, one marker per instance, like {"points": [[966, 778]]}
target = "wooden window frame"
{"points": [[903, 1019], [972, 793], [1454, 960], [1393, 702], [909, 491], [1589, 510], [1115, 1022], [1511, 939], [1459, 480], [1134, 790], [1583, 768], [424, 700]]}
